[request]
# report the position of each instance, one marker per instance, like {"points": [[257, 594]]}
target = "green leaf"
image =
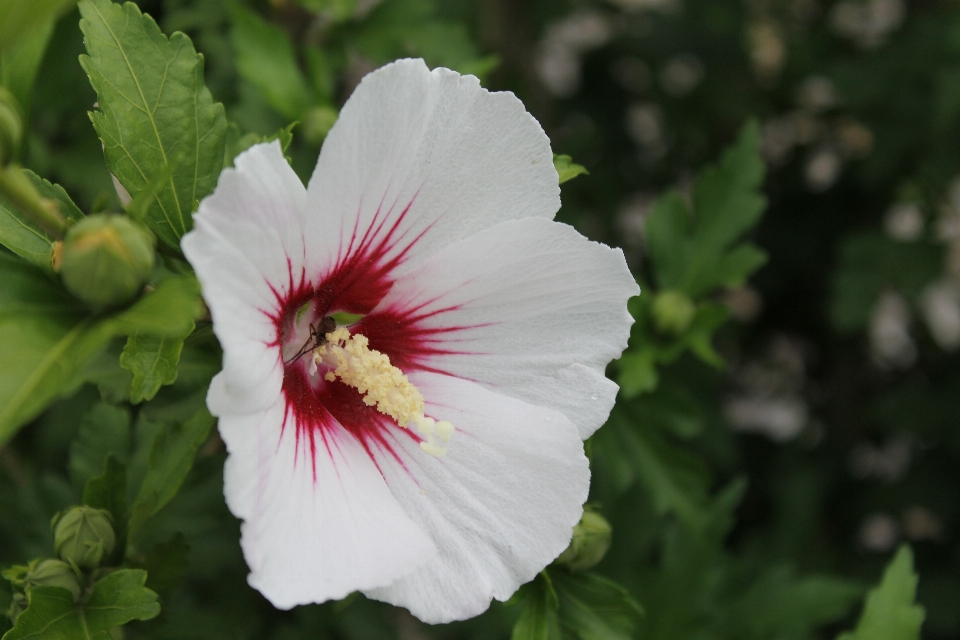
{"points": [[338, 9], [167, 563], [265, 58], [167, 312], [19, 64], [890, 612], [740, 263], [112, 380], [46, 339], [18, 18], [238, 142], [153, 362], [116, 600], [538, 620], [690, 249], [171, 456], [699, 337], [638, 372], [595, 608], [566, 168], [22, 235], [104, 430], [726, 197], [677, 481], [154, 111], [108, 491], [780, 604]]}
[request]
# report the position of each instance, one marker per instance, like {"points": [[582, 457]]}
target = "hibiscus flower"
{"points": [[413, 350]]}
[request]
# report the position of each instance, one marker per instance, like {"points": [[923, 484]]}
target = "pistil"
{"points": [[350, 358]]}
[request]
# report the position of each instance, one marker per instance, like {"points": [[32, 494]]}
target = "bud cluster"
{"points": [[43, 572], [82, 538]]}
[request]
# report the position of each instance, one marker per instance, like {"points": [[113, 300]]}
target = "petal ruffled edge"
{"points": [[499, 506], [420, 158]]}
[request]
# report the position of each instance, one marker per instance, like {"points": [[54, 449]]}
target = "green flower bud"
{"points": [[83, 536], [52, 573], [673, 311], [11, 127], [317, 122], [591, 541], [106, 260]]}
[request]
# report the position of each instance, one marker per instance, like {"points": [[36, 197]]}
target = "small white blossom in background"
{"points": [[816, 94], [780, 419], [854, 139], [631, 223], [879, 533], [413, 350], [948, 228], [745, 303], [920, 523], [887, 463], [558, 60], [778, 137], [681, 74], [891, 346], [632, 74], [768, 52], [904, 221], [822, 169], [940, 303], [769, 397], [832, 139], [868, 23], [646, 127]]}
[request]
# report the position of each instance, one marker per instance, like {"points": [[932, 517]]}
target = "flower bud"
{"points": [[11, 128], [591, 540], [106, 260], [52, 573], [673, 311], [83, 535]]}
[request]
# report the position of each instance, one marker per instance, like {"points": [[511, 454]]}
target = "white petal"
{"points": [[312, 533], [435, 149], [500, 505], [528, 308], [247, 249]]}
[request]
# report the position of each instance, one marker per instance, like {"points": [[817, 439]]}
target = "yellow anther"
{"points": [[370, 372], [351, 359]]}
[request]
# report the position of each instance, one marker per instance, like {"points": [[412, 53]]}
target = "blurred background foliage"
{"points": [[777, 437]]}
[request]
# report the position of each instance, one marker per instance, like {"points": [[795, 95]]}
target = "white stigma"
{"points": [[383, 385]]}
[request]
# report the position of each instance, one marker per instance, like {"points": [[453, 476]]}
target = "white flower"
{"points": [[427, 453]]}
